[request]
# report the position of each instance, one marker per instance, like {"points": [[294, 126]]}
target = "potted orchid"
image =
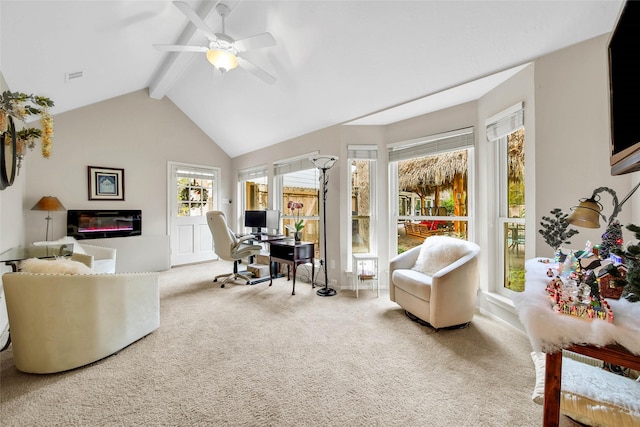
{"points": [[298, 223]]}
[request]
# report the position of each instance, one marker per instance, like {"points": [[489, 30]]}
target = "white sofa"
{"points": [[437, 282], [63, 321]]}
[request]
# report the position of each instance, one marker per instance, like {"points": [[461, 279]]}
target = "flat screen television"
{"points": [[624, 90]]}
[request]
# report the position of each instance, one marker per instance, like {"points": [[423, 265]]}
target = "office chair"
{"points": [[229, 247]]}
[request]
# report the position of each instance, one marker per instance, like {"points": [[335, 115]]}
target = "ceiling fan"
{"points": [[223, 52]]}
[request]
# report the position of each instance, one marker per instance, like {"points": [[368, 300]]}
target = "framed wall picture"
{"points": [[106, 183]]}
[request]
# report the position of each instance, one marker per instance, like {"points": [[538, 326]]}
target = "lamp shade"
{"points": [[48, 203], [586, 214], [323, 162], [222, 59]]}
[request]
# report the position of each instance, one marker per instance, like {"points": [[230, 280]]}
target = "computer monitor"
{"points": [[256, 220], [273, 222]]}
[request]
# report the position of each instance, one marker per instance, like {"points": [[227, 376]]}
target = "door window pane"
{"points": [[194, 195]]}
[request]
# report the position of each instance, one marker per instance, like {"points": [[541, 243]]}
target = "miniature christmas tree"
{"points": [[611, 239], [554, 229], [631, 255]]}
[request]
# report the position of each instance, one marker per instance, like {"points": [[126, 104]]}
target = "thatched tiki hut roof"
{"points": [[424, 174], [440, 170]]}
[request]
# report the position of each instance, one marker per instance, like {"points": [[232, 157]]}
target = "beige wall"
{"points": [[133, 132], [572, 144]]}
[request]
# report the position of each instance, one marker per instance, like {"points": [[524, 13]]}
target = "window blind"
{"points": [[362, 152], [293, 165], [430, 145], [194, 174], [505, 122], [253, 173]]}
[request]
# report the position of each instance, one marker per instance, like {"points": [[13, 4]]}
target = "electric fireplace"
{"points": [[99, 224]]}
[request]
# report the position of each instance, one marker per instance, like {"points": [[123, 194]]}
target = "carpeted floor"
{"points": [[258, 356]]}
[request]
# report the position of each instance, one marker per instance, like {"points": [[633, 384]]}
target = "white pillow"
{"points": [[437, 252], [57, 266]]}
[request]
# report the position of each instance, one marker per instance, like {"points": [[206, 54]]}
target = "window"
{"points": [[506, 130], [297, 180], [361, 235], [254, 189], [431, 178]]}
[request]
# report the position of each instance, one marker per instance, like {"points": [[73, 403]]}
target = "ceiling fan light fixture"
{"points": [[222, 59]]}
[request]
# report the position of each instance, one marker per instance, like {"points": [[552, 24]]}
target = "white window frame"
{"points": [[362, 152], [245, 175], [285, 166], [499, 127], [459, 139]]}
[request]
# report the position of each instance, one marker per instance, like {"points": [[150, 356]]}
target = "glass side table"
{"points": [[14, 255], [365, 269]]}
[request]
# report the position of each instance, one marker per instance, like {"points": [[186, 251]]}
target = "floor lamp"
{"points": [[324, 163], [48, 203]]}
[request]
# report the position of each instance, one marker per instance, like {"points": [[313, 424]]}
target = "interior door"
{"points": [[193, 191]]}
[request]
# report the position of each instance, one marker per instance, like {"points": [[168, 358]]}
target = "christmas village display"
{"points": [[583, 279]]}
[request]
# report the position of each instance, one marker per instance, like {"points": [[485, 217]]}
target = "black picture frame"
{"points": [[105, 183]]}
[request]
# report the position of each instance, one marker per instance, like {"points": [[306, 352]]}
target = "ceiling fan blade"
{"points": [[255, 42], [256, 71], [179, 48], [195, 19]]}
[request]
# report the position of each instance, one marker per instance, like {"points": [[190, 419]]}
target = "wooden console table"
{"points": [[292, 254], [616, 344], [615, 354]]}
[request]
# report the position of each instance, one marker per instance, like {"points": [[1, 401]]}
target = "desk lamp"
{"points": [[48, 203], [324, 163], [587, 214]]}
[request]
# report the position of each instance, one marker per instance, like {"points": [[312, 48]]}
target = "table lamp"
{"points": [[48, 203]]}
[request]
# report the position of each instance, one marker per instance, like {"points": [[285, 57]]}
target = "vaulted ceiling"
{"points": [[335, 61]]}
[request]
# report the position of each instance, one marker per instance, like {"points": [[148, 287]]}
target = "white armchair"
{"points": [[437, 282], [99, 258]]}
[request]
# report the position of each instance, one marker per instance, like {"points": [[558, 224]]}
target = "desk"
{"points": [[292, 254], [550, 332], [14, 255], [259, 239]]}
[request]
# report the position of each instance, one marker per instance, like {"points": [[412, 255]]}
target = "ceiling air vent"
{"points": [[73, 76]]}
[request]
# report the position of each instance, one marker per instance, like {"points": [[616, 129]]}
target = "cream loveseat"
{"points": [[62, 321], [437, 282]]}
